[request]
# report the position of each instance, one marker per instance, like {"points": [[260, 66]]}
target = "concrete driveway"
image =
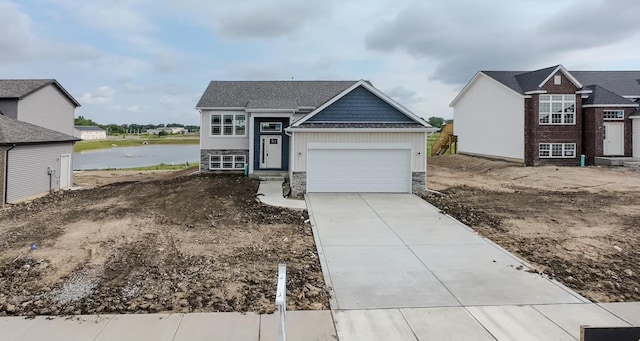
{"points": [[397, 251]]}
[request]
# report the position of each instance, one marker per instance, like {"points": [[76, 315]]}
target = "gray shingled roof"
{"points": [[601, 96], [622, 83], [88, 128], [635, 113], [361, 125], [13, 131], [19, 88], [270, 94]]}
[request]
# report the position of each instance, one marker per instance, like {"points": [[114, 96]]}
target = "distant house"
{"points": [[549, 116], [167, 130], [36, 138], [326, 136], [33, 160], [90, 133]]}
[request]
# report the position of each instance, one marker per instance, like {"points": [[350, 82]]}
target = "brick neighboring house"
{"points": [[549, 116]]}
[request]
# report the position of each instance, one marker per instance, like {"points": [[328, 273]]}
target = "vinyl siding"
{"points": [[360, 105], [489, 120], [27, 172], [9, 107], [49, 108], [417, 140], [221, 143]]}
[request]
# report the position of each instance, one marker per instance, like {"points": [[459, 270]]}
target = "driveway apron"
{"points": [[397, 251]]}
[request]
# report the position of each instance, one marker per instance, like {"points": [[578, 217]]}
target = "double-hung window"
{"points": [[228, 124], [557, 150], [557, 109]]}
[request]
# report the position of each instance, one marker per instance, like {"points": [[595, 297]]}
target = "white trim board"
{"points": [[338, 145]]}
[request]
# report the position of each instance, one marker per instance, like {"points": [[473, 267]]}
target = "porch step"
{"points": [[271, 178], [632, 164]]}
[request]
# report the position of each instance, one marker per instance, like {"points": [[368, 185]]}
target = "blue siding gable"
{"points": [[360, 105]]}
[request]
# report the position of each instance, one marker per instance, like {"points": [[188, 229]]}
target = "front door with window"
{"points": [[613, 135], [271, 151]]}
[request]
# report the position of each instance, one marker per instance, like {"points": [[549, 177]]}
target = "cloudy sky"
{"points": [[148, 61]]}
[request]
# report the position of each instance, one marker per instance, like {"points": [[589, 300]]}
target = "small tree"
{"points": [[436, 122]]}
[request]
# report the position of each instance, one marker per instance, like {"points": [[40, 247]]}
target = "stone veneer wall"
{"points": [[298, 183], [205, 153], [418, 183]]}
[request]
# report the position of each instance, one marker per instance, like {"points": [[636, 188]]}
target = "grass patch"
{"points": [[114, 143], [163, 166]]}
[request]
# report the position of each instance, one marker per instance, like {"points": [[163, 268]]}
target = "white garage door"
{"points": [[359, 170]]}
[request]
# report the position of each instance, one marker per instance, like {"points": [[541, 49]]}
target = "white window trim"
{"points": [[222, 114], [271, 131], [236, 159], [564, 145], [550, 112], [613, 119]]}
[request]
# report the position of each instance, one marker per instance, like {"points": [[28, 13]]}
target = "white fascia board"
{"points": [[566, 73], [358, 130], [270, 110], [221, 108], [586, 91], [263, 114], [473, 80], [374, 91], [534, 92], [632, 97], [611, 105]]}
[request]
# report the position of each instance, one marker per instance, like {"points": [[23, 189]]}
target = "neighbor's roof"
{"points": [[602, 96], [20, 88], [270, 94], [19, 132], [623, 83], [88, 128]]}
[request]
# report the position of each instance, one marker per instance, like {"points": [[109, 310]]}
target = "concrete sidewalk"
{"points": [[302, 326], [270, 193]]}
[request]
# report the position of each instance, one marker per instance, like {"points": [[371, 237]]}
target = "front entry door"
{"points": [[271, 151], [613, 143]]}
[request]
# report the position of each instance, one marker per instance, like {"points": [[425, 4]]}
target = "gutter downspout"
{"points": [[6, 172]]}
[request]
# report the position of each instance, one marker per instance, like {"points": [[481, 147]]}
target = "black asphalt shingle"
{"points": [[19, 88], [601, 96], [13, 131], [270, 94]]}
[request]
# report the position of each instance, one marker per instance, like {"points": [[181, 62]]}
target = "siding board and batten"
{"points": [[486, 128], [27, 169]]}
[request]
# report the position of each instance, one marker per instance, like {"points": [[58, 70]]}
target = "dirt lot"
{"points": [[159, 242], [578, 225]]}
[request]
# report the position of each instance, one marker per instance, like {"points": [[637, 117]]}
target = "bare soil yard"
{"points": [[578, 225], [157, 242]]}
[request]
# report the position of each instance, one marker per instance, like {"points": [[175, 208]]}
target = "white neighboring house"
{"points": [[168, 130], [326, 136], [90, 133], [36, 138]]}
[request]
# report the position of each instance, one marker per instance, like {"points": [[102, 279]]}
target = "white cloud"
{"points": [[104, 94], [134, 109]]}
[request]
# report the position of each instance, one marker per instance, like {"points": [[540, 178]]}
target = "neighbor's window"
{"points": [[613, 114], [557, 109], [557, 150], [226, 161], [228, 124], [270, 127]]}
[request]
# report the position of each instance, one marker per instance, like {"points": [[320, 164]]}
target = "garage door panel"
{"points": [[359, 170]]}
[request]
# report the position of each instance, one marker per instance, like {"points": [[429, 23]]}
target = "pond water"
{"points": [[127, 157]]}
